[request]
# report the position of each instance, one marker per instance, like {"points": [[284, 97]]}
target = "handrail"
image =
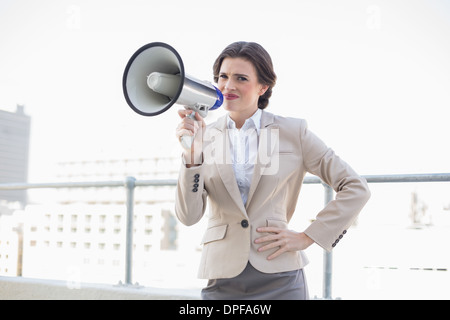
{"points": [[393, 178]]}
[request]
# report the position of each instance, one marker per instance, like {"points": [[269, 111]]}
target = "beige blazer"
{"points": [[287, 151]]}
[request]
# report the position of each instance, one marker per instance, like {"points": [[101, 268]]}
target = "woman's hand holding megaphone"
{"points": [[190, 127]]}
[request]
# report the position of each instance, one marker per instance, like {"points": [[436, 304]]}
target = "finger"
{"points": [[276, 253], [274, 244], [277, 244], [192, 121], [269, 229], [198, 117], [268, 238], [187, 126], [184, 112], [183, 132]]}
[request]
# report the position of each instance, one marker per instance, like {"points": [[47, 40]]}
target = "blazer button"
{"points": [[244, 223], [195, 190], [197, 176]]}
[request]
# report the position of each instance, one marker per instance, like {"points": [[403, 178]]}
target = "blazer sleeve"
{"points": [[352, 192], [191, 196]]}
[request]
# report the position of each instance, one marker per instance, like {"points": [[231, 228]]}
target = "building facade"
{"points": [[14, 152], [79, 234]]}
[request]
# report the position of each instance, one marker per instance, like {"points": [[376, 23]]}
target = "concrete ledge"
{"points": [[17, 288]]}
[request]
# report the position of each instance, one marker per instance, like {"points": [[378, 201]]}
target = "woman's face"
{"points": [[239, 84]]}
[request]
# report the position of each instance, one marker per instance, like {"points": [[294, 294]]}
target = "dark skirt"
{"points": [[252, 284]]}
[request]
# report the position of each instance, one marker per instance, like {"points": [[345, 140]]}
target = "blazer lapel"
{"points": [[268, 146], [222, 159]]}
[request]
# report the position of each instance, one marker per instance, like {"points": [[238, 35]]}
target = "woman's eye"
{"points": [[242, 78], [223, 76]]}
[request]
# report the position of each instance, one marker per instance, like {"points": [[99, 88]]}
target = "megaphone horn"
{"points": [[154, 80]]}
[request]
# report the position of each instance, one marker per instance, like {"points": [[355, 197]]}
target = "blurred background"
{"points": [[371, 77]]}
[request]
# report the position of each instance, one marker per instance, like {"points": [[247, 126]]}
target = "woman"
{"points": [[250, 165]]}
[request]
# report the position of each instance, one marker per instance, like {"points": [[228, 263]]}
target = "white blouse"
{"points": [[244, 150]]}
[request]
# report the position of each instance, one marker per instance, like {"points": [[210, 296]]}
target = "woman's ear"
{"points": [[263, 89]]}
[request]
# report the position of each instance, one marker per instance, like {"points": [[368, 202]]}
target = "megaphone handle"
{"points": [[186, 140]]}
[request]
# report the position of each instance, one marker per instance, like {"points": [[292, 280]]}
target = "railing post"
{"points": [[327, 256], [130, 184]]}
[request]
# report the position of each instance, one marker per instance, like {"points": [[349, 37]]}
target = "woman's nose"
{"points": [[229, 85]]}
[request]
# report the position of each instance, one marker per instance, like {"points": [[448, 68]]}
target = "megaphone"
{"points": [[154, 80]]}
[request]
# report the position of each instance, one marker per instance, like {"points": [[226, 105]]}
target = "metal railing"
{"points": [[130, 183]]}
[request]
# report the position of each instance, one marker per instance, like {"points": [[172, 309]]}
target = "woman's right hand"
{"points": [[190, 127]]}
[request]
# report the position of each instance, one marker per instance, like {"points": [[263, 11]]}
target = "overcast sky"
{"points": [[372, 78]]}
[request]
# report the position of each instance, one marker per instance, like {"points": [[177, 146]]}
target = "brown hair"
{"points": [[260, 59]]}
